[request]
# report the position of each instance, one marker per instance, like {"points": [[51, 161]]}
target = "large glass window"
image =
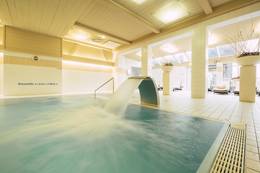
{"points": [[227, 71], [212, 53], [226, 50]]}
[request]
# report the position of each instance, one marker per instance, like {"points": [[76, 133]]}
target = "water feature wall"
{"points": [[147, 89]]}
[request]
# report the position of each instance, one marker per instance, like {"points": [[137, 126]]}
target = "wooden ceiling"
{"points": [[105, 16], [149, 8], [52, 17], [122, 21]]}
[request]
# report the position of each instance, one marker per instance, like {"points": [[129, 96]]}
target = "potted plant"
{"points": [[167, 66], [246, 45]]}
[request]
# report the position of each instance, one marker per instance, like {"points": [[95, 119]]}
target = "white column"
{"points": [[145, 62], [219, 73], [1, 73], [198, 76], [166, 79], [247, 92], [247, 83]]}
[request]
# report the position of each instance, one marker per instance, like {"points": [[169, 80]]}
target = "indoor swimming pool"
{"points": [[75, 134]]}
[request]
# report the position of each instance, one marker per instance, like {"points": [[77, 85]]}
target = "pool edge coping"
{"points": [[209, 159]]}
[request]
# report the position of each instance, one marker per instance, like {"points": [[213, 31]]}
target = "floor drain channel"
{"points": [[231, 154]]}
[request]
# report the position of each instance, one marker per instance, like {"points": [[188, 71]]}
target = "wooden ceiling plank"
{"points": [[120, 40], [220, 10], [148, 24]]}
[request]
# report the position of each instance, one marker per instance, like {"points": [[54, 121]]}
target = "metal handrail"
{"points": [[111, 79]]}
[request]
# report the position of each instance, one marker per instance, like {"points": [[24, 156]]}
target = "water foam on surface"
{"points": [[72, 135], [77, 142]]}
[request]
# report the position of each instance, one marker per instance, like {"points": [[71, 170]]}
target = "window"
{"points": [[212, 67], [227, 71], [226, 50], [212, 53]]}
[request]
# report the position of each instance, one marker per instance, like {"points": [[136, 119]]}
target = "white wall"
{"points": [[23, 80], [83, 81], [156, 74], [180, 76]]}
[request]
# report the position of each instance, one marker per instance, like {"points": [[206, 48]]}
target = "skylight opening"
{"points": [[169, 48], [171, 12]]}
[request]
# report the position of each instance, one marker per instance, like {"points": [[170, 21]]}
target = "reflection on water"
{"points": [[64, 135]]}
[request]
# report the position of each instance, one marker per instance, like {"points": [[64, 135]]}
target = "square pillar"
{"points": [[198, 68], [247, 83], [166, 79], [145, 61]]}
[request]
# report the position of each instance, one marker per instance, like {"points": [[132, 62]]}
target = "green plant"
{"points": [[240, 42], [168, 64]]}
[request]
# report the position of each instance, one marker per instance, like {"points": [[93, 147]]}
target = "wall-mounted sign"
{"points": [[35, 58], [38, 83]]}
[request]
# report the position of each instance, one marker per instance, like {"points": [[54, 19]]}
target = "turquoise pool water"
{"points": [[73, 134]]}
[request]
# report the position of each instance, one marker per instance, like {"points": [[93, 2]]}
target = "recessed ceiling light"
{"points": [[169, 48], [75, 63], [171, 12], [102, 36], [80, 36], [139, 1]]}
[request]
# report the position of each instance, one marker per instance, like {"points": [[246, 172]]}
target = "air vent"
{"points": [[231, 154], [111, 44]]}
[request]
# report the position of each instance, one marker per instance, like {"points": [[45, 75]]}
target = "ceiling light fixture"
{"points": [[102, 36], [139, 1], [75, 63], [80, 36], [169, 48], [171, 12]]}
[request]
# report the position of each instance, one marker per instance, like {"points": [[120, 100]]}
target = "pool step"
{"points": [[231, 155]]}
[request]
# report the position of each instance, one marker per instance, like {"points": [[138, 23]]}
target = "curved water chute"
{"points": [[147, 89]]}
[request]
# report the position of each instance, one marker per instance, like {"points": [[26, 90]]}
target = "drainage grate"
{"points": [[231, 154]]}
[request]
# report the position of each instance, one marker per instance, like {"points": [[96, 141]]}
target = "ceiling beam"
{"points": [[115, 38], [205, 5], [148, 24], [220, 10], [86, 44]]}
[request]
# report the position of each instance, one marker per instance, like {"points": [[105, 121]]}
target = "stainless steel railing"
{"points": [[105, 83]]}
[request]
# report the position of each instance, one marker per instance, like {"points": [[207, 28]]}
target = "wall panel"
{"points": [[32, 63], [85, 81], [30, 42]]}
